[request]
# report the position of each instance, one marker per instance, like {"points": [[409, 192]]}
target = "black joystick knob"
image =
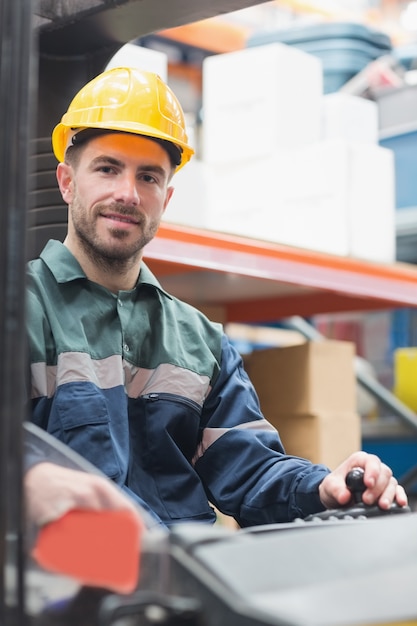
{"points": [[355, 484]]}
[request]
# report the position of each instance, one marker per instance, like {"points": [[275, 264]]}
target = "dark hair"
{"points": [[84, 135]]}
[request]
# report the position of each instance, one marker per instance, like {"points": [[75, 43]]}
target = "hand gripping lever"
{"points": [[359, 510]]}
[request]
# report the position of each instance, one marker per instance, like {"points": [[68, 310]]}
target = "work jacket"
{"points": [[152, 393]]}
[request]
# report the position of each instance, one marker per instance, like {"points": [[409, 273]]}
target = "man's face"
{"points": [[117, 194]]}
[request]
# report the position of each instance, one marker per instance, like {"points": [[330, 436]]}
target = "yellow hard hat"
{"points": [[128, 100]]}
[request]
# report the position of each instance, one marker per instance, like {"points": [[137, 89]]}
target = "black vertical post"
{"points": [[18, 77]]}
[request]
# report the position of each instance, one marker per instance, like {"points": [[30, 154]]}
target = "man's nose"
{"points": [[126, 190]]}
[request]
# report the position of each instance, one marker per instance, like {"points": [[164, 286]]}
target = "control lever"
{"points": [[355, 483], [359, 510]]}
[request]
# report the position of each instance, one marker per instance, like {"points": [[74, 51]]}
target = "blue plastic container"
{"points": [[344, 48], [404, 146], [406, 55], [397, 109]]}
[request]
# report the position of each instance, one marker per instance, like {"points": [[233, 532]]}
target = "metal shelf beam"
{"points": [[258, 280]]}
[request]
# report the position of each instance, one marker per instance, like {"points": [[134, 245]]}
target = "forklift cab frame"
{"points": [[47, 52]]}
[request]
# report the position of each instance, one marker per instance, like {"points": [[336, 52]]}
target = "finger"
{"points": [[386, 499], [401, 496], [44, 514], [384, 487], [395, 493], [376, 473]]}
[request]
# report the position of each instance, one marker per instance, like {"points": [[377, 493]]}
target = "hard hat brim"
{"points": [[62, 135]]}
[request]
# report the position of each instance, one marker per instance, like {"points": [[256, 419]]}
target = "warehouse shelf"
{"points": [[252, 280], [261, 281]]}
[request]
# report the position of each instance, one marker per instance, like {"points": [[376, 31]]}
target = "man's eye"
{"points": [[148, 178], [106, 169]]}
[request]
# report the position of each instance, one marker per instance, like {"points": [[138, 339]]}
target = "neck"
{"points": [[112, 273]]}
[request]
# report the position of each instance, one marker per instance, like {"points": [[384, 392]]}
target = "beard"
{"points": [[117, 254]]}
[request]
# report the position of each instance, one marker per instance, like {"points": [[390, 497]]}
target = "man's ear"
{"points": [[64, 176], [170, 191]]}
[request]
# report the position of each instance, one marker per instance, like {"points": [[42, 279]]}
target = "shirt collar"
{"points": [[146, 277], [65, 268], [61, 262]]}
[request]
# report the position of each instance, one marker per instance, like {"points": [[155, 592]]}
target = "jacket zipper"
{"points": [[172, 397]]}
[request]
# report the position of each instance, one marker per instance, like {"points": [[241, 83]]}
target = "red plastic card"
{"points": [[100, 549]]}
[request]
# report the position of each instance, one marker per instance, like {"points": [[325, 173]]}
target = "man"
{"points": [[137, 382]]}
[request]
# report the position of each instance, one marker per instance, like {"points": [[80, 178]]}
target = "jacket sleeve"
{"points": [[241, 459]]}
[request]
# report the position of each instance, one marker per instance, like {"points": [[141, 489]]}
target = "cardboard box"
{"points": [[314, 377], [323, 437], [258, 100]]}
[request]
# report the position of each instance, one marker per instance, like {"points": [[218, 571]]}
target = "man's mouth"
{"points": [[125, 219]]}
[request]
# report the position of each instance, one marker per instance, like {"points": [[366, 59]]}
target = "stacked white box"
{"points": [[335, 197], [372, 230], [188, 205], [258, 100], [349, 117], [294, 197], [339, 197], [131, 55], [283, 162]]}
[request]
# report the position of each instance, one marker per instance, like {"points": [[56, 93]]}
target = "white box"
{"points": [[188, 205], [350, 118], [285, 198], [335, 197], [226, 197], [340, 199], [258, 100], [372, 203], [132, 55]]}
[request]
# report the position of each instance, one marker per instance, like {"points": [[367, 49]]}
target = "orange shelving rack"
{"points": [[262, 281]]}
